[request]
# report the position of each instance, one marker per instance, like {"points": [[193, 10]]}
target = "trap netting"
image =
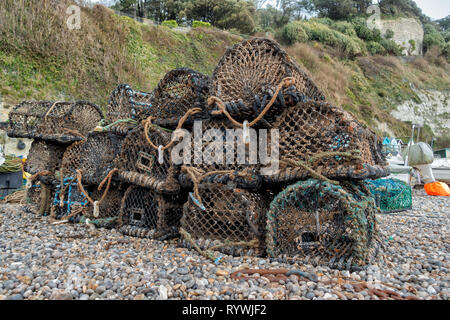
{"points": [[254, 72], [215, 152], [323, 224], [142, 163], [225, 219], [146, 214], [125, 103], [179, 91], [38, 196], [391, 195], [63, 122], [68, 202], [99, 205], [44, 156], [320, 140], [94, 156]]}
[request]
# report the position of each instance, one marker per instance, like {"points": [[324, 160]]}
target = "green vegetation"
{"points": [[41, 59], [200, 24], [170, 23]]}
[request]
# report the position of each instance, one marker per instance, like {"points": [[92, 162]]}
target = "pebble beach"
{"points": [[39, 260]]}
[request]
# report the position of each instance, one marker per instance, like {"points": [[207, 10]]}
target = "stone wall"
{"points": [[405, 29]]}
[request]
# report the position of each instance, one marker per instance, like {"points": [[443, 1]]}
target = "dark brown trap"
{"points": [[321, 140], [248, 75], [94, 157], [146, 214], [63, 122], [224, 219], [179, 91], [217, 154], [139, 162], [44, 156]]}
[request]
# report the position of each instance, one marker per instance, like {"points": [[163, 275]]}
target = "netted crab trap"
{"points": [[147, 214], [320, 140], [126, 103], [143, 163], [63, 122], [38, 196], [230, 220], [217, 154], [178, 92], [319, 223], [94, 157], [255, 73], [391, 195], [44, 157]]}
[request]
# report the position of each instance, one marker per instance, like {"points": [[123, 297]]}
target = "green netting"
{"points": [[391, 195], [323, 224]]}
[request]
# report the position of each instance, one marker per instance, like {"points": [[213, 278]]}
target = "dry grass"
{"points": [[331, 76]]}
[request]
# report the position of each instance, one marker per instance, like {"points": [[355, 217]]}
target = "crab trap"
{"points": [[44, 156], [39, 195], [62, 122], [230, 220], [139, 163], [320, 140], [125, 103], [179, 91], [218, 155], [146, 214], [94, 157], [391, 195], [319, 223], [253, 72]]}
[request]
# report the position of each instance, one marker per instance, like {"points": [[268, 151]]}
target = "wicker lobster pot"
{"points": [[39, 195], [125, 103], [99, 207], [61, 122], [323, 224], [248, 75], [139, 164], [146, 214], [228, 220], [179, 91], [94, 157], [44, 156], [329, 141], [219, 154]]}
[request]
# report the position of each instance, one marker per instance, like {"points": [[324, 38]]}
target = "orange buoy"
{"points": [[437, 189]]}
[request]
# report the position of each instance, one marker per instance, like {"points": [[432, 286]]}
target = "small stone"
{"points": [[100, 289], [431, 290], [139, 297], [222, 273], [16, 297], [162, 293], [58, 295]]}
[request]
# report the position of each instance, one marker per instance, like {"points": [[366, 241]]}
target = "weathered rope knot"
{"points": [[286, 82], [148, 122], [106, 180]]}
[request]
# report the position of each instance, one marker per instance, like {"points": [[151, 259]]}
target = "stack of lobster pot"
{"points": [[54, 126], [307, 198], [153, 202], [91, 191]]}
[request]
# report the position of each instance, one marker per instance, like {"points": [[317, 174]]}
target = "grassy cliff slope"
{"points": [[40, 58]]}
